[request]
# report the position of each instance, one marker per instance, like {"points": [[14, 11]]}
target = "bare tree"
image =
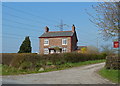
{"points": [[108, 50], [107, 18], [92, 50]]}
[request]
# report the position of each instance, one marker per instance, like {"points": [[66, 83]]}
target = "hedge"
{"points": [[32, 61], [112, 62]]}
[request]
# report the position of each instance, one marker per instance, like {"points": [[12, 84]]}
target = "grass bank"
{"points": [[0, 69], [7, 70], [110, 74]]}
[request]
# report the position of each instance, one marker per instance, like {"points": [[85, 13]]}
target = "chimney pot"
{"points": [[73, 28], [46, 29]]}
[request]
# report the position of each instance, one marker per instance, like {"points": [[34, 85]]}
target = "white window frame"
{"points": [[64, 39], [46, 51], [64, 50], [46, 40]]}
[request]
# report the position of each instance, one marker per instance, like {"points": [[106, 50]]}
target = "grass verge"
{"points": [[6, 70], [110, 74], [0, 69]]}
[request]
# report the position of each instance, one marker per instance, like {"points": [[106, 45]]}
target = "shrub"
{"points": [[25, 46], [112, 62]]}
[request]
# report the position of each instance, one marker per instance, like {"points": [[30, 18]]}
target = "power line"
{"points": [[36, 37], [18, 35], [24, 18], [19, 27], [61, 26], [20, 23], [18, 10], [79, 39], [78, 28], [25, 28], [84, 41], [14, 37], [11, 37], [5, 25], [84, 31]]}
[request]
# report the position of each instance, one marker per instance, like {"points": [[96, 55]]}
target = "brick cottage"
{"points": [[58, 41]]}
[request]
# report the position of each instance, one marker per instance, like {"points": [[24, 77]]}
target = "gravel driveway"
{"points": [[77, 75]]}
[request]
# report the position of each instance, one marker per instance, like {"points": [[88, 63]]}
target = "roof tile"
{"points": [[57, 33]]}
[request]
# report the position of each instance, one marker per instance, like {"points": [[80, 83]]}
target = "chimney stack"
{"points": [[46, 29], [73, 28]]}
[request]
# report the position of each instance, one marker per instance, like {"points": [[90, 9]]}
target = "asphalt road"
{"points": [[77, 75]]}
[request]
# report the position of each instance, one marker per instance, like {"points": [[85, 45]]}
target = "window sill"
{"points": [[64, 44], [46, 44]]}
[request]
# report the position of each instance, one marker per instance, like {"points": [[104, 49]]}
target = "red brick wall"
{"points": [[55, 42], [41, 45]]}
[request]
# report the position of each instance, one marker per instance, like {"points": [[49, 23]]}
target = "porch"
{"points": [[55, 49]]}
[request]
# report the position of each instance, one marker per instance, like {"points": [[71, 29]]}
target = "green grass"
{"points": [[110, 74], [69, 65], [0, 69], [6, 70]]}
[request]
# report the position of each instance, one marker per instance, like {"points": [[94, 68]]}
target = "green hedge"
{"points": [[32, 61], [112, 62]]}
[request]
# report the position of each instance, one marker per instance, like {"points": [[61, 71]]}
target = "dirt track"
{"points": [[77, 75]]}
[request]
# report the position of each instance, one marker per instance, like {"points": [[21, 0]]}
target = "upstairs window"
{"points": [[46, 41], [64, 41]]}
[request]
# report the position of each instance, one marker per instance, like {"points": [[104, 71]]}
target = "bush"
{"points": [[112, 62]]}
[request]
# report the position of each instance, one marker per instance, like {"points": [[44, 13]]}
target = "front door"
{"points": [[52, 51]]}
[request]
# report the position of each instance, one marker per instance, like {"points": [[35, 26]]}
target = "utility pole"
{"points": [[61, 25]]}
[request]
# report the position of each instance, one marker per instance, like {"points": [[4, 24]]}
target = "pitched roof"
{"points": [[57, 34]]}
